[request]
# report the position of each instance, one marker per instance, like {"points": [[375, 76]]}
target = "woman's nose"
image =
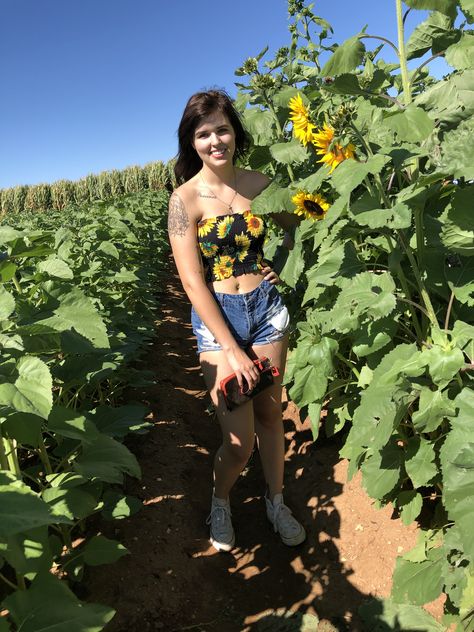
{"points": [[215, 138]]}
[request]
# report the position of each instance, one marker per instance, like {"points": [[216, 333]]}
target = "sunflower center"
{"points": [[313, 207]]}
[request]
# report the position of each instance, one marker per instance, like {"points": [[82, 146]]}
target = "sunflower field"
{"points": [[377, 159]]}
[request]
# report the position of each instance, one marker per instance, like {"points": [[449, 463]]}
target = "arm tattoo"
{"points": [[178, 220]]}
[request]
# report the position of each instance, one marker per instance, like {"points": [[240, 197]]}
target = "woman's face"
{"points": [[214, 140]]}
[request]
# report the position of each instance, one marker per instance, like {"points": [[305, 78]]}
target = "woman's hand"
{"points": [[244, 368], [270, 275]]}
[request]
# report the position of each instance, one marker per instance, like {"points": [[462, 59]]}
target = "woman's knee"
{"points": [[239, 451]]}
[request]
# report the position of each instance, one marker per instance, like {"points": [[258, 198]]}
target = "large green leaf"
{"points": [[339, 260], [385, 615], [66, 422], [410, 503], [467, 7], [108, 460], [443, 364], [294, 266], [433, 408], [309, 387], [457, 464], [25, 428], [273, 199], [77, 311], [458, 227], [260, 124], [71, 503], [463, 337], [435, 32], [28, 552], [412, 124], [366, 211], [109, 249], [444, 6], [31, 391], [382, 470], [460, 278], [350, 173], [417, 582], [452, 99], [119, 421], [21, 510], [373, 336], [48, 605], [117, 506], [346, 57], [461, 54], [56, 267], [420, 461], [457, 151], [101, 550], [289, 153], [7, 303]]}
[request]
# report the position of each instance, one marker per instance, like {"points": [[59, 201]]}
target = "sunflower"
{"points": [[223, 268], [224, 226], [205, 226], [302, 127], [242, 243], [310, 206], [208, 249], [331, 155], [254, 225]]}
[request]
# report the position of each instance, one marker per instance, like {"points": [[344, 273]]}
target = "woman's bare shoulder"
{"points": [[184, 197]]}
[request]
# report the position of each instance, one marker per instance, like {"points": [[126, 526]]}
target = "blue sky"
{"points": [[93, 85]]}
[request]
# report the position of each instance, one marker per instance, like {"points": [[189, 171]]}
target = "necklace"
{"points": [[228, 204]]}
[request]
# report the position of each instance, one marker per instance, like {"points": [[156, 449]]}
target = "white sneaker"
{"points": [[222, 532], [291, 531]]}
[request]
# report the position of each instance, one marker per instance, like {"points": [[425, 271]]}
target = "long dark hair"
{"points": [[200, 106]]}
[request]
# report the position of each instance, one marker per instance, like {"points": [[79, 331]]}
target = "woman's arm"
{"points": [[183, 240]]}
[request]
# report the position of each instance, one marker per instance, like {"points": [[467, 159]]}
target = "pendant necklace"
{"points": [[228, 204]]}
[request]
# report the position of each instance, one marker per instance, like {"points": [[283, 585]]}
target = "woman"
{"points": [[237, 315]]}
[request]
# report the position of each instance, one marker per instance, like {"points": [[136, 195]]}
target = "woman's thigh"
{"points": [[237, 425], [267, 405]]}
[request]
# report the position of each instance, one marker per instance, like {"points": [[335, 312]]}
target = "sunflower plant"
{"points": [[379, 152]]}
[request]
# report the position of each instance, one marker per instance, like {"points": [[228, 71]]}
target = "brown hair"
{"points": [[200, 106]]}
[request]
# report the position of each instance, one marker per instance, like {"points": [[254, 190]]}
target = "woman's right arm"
{"points": [[183, 240]]}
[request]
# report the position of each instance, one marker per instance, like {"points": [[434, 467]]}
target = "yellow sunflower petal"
{"points": [[310, 206]]}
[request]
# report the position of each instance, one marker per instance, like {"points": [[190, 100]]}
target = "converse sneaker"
{"points": [[222, 533], [291, 531]]}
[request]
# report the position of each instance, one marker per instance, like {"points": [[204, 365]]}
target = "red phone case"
{"points": [[234, 396]]}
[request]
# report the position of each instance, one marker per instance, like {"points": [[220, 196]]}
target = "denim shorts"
{"points": [[254, 318]]}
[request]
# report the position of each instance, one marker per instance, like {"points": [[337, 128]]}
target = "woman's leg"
{"points": [[268, 418], [238, 433]]}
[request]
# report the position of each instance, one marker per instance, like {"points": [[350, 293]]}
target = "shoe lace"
{"points": [[283, 519], [219, 517]]}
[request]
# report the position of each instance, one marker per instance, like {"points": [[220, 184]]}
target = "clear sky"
{"points": [[92, 85]]}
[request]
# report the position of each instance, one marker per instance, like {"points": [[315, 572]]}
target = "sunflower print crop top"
{"points": [[231, 245]]}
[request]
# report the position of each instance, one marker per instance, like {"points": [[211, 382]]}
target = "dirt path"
{"points": [[174, 579]]}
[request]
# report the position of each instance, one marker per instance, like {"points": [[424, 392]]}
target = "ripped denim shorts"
{"points": [[254, 318]]}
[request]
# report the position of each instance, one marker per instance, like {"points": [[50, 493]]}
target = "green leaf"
{"points": [[66, 422], [108, 460], [457, 151], [282, 97], [31, 392], [417, 582], [435, 32], [291, 152], [108, 248], [9, 234], [443, 364], [413, 124], [71, 503], [420, 461], [101, 550], [373, 336], [118, 507], [4, 627], [433, 408], [259, 157], [21, 510], [463, 337], [461, 54], [346, 58], [381, 471], [467, 7], [55, 267], [294, 266], [28, 552], [7, 270], [260, 125], [7, 303], [309, 386], [460, 280], [450, 100], [458, 228], [119, 421], [385, 615], [48, 605], [314, 413], [410, 503], [350, 173], [24, 428], [444, 6], [273, 199], [366, 211], [346, 83], [77, 311]]}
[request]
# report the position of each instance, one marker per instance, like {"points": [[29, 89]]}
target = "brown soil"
{"points": [[175, 580]]}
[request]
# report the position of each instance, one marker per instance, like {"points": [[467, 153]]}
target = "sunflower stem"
{"points": [[402, 56], [349, 364], [279, 128]]}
